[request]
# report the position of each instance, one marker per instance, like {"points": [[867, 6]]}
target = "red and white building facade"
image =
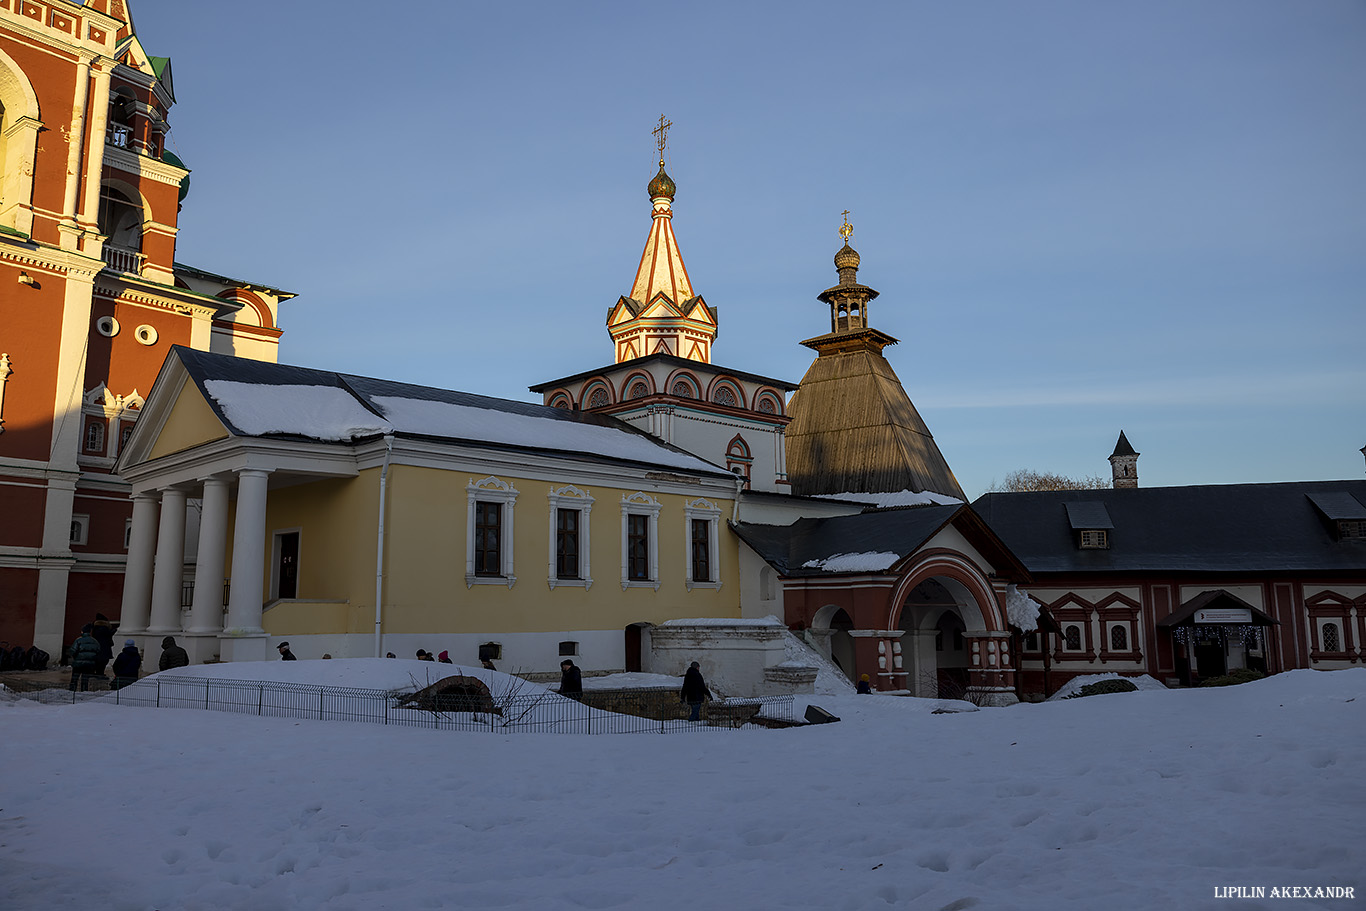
{"points": [[91, 300]]}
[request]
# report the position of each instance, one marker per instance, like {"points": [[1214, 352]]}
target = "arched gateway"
{"points": [[914, 598]]}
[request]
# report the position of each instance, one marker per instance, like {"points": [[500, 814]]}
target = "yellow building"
{"points": [[356, 517]]}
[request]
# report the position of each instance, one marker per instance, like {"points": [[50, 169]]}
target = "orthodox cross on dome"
{"points": [[661, 133], [846, 229]]}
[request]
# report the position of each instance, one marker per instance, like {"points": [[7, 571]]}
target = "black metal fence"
{"points": [[511, 710]]}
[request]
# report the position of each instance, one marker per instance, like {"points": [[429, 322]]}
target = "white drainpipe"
{"points": [[379, 549]]}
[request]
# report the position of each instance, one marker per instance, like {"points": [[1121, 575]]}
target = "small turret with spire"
{"points": [[1124, 463], [848, 302]]}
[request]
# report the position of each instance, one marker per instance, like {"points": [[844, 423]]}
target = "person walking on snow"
{"points": [[85, 658], [285, 653], [694, 692], [172, 655], [571, 680], [126, 665]]}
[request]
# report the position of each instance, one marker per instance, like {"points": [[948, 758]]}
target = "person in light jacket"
{"points": [[85, 659]]}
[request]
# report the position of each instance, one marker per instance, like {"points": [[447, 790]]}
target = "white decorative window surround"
{"points": [[107, 326], [643, 505], [570, 498], [490, 490], [145, 334], [80, 529], [700, 510]]}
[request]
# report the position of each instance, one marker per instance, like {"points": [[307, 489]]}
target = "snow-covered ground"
{"points": [[1151, 799]]}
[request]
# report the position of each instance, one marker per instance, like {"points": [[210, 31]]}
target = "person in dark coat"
{"points": [[103, 632], [285, 653], [126, 665], [444, 658], [694, 691], [571, 680], [172, 655], [865, 687], [85, 659]]}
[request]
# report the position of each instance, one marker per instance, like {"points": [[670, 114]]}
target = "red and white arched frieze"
{"points": [[950, 564], [250, 303], [688, 378], [637, 385], [723, 389], [597, 393], [768, 401]]}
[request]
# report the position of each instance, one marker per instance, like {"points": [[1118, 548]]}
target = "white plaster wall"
{"points": [[732, 658], [753, 604], [1347, 591], [786, 510]]}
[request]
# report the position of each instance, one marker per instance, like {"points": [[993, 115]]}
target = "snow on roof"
{"points": [[446, 419], [724, 621], [854, 563], [1021, 610], [899, 498], [320, 412]]}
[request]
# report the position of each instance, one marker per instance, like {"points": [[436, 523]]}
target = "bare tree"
{"points": [[1027, 479]]}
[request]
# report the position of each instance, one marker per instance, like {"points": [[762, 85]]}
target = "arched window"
{"points": [[724, 395], [767, 406], [120, 219], [560, 401], [1072, 635], [638, 390], [94, 436], [121, 109], [1331, 643], [598, 398], [683, 389], [1119, 639]]}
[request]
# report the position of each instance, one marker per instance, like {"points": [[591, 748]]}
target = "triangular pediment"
{"points": [[622, 311], [178, 418], [662, 307], [695, 353], [697, 309], [662, 347]]}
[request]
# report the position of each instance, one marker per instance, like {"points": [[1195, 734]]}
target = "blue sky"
{"points": [[1082, 217]]}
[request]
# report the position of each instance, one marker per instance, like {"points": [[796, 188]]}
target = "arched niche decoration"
{"points": [[250, 302], [20, 122]]}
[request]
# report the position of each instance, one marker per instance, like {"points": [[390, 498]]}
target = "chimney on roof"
{"points": [[1124, 463]]}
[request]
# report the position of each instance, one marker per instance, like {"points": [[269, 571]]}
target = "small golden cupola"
{"points": [[662, 315]]}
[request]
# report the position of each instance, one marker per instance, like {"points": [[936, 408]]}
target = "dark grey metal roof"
{"points": [[1338, 505], [1231, 528], [1218, 598], [1087, 516], [788, 548]]}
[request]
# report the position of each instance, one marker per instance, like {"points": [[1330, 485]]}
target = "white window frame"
{"points": [[640, 504], [709, 512], [82, 529], [490, 490], [571, 497], [127, 533]]}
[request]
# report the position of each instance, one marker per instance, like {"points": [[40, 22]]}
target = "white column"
{"points": [[99, 125], [243, 638], [169, 573], [137, 578], [206, 609], [75, 144]]}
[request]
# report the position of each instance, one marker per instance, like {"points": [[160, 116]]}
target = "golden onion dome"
{"points": [[846, 258], [662, 185]]}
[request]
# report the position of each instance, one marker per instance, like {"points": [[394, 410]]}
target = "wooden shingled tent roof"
{"points": [[854, 429]]}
